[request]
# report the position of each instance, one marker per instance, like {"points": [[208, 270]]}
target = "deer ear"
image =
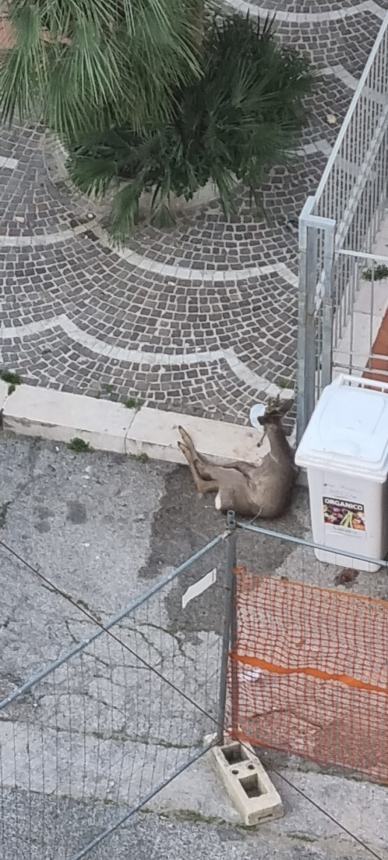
{"points": [[285, 405], [273, 405]]}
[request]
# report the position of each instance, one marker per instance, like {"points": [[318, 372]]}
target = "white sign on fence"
{"points": [[199, 587]]}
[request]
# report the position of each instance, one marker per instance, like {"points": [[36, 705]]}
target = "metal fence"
{"points": [[282, 658], [309, 658], [89, 740], [345, 214], [360, 325]]}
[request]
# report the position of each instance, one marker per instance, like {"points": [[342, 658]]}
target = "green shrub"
{"points": [[241, 117]]}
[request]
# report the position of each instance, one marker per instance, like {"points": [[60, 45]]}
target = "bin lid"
{"points": [[348, 430]]}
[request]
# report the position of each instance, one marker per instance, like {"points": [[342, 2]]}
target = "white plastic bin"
{"points": [[345, 452]]}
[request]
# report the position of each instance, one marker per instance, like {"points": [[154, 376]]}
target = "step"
{"points": [[110, 426]]}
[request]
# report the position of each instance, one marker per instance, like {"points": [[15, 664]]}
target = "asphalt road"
{"points": [[104, 529]]}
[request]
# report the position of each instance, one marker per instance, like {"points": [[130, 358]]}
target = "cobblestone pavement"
{"points": [[198, 319]]}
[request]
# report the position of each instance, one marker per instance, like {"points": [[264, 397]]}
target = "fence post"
{"points": [[308, 261], [315, 297], [328, 305], [229, 636]]}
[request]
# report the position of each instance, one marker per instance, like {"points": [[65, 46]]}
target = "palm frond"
{"points": [[92, 175], [125, 211], [110, 58]]}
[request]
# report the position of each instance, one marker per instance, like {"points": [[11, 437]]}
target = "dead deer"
{"points": [[262, 489]]}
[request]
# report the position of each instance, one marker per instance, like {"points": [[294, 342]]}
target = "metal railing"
{"points": [[345, 214], [360, 323], [352, 190], [92, 738]]}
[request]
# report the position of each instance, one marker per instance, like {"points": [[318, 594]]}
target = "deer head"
{"points": [[274, 412]]}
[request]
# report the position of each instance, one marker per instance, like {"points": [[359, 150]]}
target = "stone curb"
{"points": [[111, 426]]}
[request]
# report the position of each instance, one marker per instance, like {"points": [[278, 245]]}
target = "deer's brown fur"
{"points": [[262, 489]]}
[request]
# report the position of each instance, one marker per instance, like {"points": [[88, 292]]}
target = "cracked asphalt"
{"points": [[105, 528]]}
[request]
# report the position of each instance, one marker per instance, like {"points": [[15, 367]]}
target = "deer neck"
{"points": [[280, 449]]}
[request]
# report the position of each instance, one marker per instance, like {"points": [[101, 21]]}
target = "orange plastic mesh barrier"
{"points": [[309, 673]]}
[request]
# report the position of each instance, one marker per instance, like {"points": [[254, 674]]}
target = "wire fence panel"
{"points": [[344, 215], [360, 342], [353, 186], [309, 668], [87, 742]]}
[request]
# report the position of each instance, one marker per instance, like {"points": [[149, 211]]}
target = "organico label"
{"points": [[344, 514]]}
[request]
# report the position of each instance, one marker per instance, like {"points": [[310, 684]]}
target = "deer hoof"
{"points": [[185, 450], [185, 436]]}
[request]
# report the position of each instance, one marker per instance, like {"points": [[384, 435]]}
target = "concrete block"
{"points": [[247, 783], [60, 416], [155, 433]]}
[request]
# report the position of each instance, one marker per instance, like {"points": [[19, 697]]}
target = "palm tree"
{"points": [[87, 64], [240, 118]]}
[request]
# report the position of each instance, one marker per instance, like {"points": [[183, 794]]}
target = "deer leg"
{"points": [[233, 488], [230, 485], [203, 485], [221, 474], [245, 469], [187, 440], [241, 465]]}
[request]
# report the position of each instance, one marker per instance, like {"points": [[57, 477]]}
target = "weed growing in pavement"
{"points": [[378, 273], [13, 379], [132, 403], [79, 445]]}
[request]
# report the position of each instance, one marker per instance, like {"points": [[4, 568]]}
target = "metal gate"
{"points": [[93, 737]]}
